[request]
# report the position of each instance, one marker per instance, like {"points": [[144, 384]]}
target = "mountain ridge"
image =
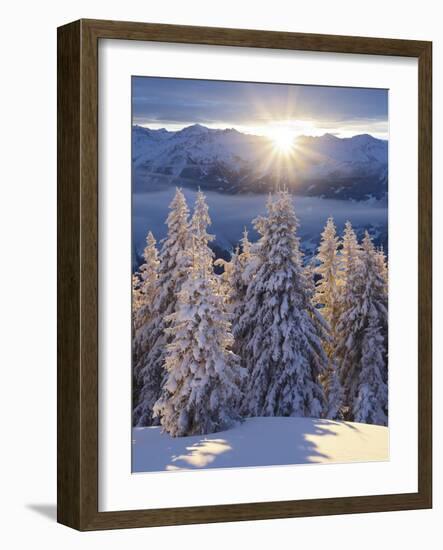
{"points": [[229, 161]]}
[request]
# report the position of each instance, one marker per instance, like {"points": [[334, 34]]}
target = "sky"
{"points": [[257, 108]]}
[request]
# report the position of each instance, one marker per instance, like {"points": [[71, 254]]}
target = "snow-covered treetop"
{"points": [[149, 268], [201, 253]]}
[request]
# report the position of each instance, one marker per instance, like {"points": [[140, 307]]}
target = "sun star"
{"points": [[282, 139]]}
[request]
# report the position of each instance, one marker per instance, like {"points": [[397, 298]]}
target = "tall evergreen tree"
{"points": [[225, 276], [363, 369], [236, 273], [328, 294], [283, 330], [143, 295], [201, 238], [328, 297], [201, 393], [136, 300], [143, 298], [239, 273], [347, 329], [382, 266], [371, 402], [172, 271], [248, 262]]}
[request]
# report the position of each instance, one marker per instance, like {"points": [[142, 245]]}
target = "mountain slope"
{"points": [[229, 161]]}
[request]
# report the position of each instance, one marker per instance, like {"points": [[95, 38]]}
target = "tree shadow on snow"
{"points": [[266, 441]]}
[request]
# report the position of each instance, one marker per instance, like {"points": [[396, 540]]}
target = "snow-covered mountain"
{"points": [[229, 161]]}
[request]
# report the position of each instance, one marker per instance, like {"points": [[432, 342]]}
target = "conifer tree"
{"points": [[328, 287], [334, 392], [371, 402], [363, 369], [172, 271], [201, 392], [144, 287], [283, 331], [382, 266], [136, 300], [239, 274], [245, 244], [201, 238], [328, 297], [225, 276], [347, 330], [236, 273], [143, 298]]}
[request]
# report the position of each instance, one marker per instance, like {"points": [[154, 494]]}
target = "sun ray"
{"points": [[283, 139]]}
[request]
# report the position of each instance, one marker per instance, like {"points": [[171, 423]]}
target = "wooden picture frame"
{"points": [[78, 274]]}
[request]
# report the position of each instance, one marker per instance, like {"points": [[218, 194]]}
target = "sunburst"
{"points": [[282, 140]]}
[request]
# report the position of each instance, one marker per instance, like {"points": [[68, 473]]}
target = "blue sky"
{"points": [[259, 108]]}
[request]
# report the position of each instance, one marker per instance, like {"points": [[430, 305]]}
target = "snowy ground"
{"points": [[261, 442]]}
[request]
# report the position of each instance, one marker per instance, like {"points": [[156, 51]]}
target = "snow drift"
{"points": [[269, 441]]}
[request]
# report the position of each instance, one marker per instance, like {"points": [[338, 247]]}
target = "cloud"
{"points": [[179, 102]]}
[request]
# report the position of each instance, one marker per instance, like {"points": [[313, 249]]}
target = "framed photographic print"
{"points": [[244, 275]]}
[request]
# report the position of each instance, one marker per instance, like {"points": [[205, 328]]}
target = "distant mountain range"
{"points": [[231, 162]]}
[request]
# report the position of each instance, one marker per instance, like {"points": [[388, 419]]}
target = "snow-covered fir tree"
{"points": [[201, 238], [248, 263], [371, 402], [333, 391], [136, 300], [144, 289], [243, 265], [201, 393], [199, 224], [136, 304], [383, 271], [172, 271], [245, 244], [328, 294], [283, 331], [236, 272], [362, 326], [224, 277], [328, 297], [347, 328], [383, 266]]}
